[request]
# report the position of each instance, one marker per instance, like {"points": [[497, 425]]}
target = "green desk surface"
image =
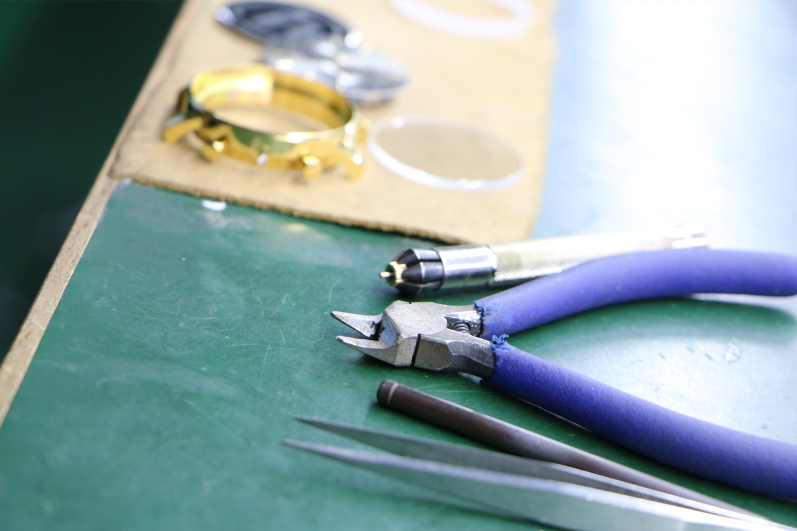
{"points": [[187, 338]]}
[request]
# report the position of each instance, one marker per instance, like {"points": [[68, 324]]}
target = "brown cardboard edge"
{"points": [[19, 357], [355, 223], [437, 235]]}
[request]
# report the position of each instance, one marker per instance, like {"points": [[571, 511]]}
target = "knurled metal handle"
{"points": [[521, 261]]}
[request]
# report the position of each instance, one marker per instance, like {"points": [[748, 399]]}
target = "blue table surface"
{"points": [[675, 112]]}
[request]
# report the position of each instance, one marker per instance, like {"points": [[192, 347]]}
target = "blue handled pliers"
{"points": [[472, 340]]}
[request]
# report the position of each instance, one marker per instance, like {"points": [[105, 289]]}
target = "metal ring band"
{"points": [[260, 85]]}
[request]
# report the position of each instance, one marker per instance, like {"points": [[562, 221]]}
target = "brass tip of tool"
{"points": [[392, 273]]}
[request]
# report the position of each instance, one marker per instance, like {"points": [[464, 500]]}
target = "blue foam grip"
{"points": [[722, 454], [630, 277]]}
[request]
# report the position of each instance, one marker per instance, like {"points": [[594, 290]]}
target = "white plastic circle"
{"points": [[481, 28], [441, 153]]}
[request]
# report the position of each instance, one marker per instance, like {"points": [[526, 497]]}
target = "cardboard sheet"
{"points": [[501, 86]]}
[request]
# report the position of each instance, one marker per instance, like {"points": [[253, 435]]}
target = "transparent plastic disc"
{"points": [[434, 16], [441, 153]]}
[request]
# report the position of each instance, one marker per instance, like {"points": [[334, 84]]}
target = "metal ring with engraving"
{"points": [[304, 42], [257, 85], [287, 26]]}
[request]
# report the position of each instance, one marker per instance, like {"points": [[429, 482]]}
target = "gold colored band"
{"points": [[259, 85]]}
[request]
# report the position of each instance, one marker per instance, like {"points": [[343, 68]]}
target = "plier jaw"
{"points": [[423, 334]]}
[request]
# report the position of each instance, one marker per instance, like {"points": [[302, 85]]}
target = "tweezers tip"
{"points": [[311, 421]]}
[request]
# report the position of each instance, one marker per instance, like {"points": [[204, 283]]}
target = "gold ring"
{"points": [[259, 85]]}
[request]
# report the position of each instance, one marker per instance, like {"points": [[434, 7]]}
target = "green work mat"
{"points": [[188, 338]]}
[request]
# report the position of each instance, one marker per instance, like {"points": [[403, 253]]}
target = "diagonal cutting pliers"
{"points": [[472, 339]]}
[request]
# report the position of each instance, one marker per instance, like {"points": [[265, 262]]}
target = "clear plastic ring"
{"points": [[444, 21], [493, 162]]}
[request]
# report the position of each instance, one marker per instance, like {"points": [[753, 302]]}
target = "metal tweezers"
{"points": [[526, 489]]}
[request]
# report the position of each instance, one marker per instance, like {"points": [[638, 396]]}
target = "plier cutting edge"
{"points": [[472, 340]]}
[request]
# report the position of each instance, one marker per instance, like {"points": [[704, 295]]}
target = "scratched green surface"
{"points": [[188, 338]]}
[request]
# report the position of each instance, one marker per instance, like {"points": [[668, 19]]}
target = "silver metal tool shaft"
{"points": [[419, 271], [455, 454], [549, 502], [517, 441]]}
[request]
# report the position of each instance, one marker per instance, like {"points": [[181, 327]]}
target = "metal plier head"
{"points": [[425, 335]]}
